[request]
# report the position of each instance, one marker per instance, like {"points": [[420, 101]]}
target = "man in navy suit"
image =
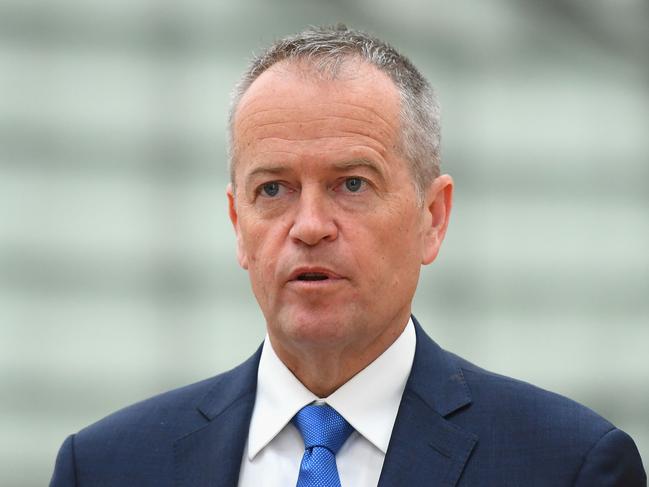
{"points": [[337, 199]]}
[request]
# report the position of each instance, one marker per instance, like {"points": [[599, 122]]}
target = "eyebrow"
{"points": [[342, 166], [262, 170], [266, 169], [368, 164], [356, 163]]}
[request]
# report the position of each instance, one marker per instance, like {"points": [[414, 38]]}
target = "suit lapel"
{"points": [[426, 448], [211, 455]]}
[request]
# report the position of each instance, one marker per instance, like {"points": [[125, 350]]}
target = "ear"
{"points": [[242, 257], [438, 202]]}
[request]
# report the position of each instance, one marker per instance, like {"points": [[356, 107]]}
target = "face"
{"points": [[327, 218]]}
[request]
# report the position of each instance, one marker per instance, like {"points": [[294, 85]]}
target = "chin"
{"points": [[317, 328]]}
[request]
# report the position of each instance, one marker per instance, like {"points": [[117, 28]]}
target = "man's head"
{"points": [[331, 223], [326, 50]]}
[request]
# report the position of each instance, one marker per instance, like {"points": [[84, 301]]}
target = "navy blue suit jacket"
{"points": [[458, 425]]}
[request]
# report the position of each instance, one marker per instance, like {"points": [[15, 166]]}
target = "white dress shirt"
{"points": [[369, 401]]}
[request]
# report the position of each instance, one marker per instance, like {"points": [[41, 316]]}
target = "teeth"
{"points": [[312, 276]]}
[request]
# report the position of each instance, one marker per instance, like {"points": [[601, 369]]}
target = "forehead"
{"points": [[292, 101], [352, 79]]}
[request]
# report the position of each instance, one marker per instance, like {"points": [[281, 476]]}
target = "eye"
{"points": [[270, 189], [354, 185]]}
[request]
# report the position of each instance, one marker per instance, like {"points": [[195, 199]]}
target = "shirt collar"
{"points": [[369, 401]]}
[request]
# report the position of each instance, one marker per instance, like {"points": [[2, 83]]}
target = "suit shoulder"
{"points": [[518, 400], [526, 435], [171, 412], [157, 410], [136, 445], [531, 428]]}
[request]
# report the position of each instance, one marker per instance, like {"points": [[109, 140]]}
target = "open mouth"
{"points": [[312, 276]]}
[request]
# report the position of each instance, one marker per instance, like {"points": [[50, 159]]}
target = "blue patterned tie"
{"points": [[324, 431]]}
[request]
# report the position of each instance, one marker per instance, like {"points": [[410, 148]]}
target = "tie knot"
{"points": [[321, 425]]}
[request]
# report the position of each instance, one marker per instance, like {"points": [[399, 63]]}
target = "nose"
{"points": [[314, 219]]}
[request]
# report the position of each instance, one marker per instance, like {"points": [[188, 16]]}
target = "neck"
{"points": [[323, 370]]}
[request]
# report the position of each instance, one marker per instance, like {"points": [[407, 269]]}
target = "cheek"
{"points": [[396, 242], [263, 248], [260, 274], [401, 225], [252, 236]]}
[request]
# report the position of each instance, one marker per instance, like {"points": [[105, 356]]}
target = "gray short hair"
{"points": [[327, 48]]}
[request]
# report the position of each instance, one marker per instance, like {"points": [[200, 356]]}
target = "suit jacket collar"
{"points": [[211, 455], [426, 448], [436, 377]]}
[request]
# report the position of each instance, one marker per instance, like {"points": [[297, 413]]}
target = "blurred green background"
{"points": [[118, 278]]}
